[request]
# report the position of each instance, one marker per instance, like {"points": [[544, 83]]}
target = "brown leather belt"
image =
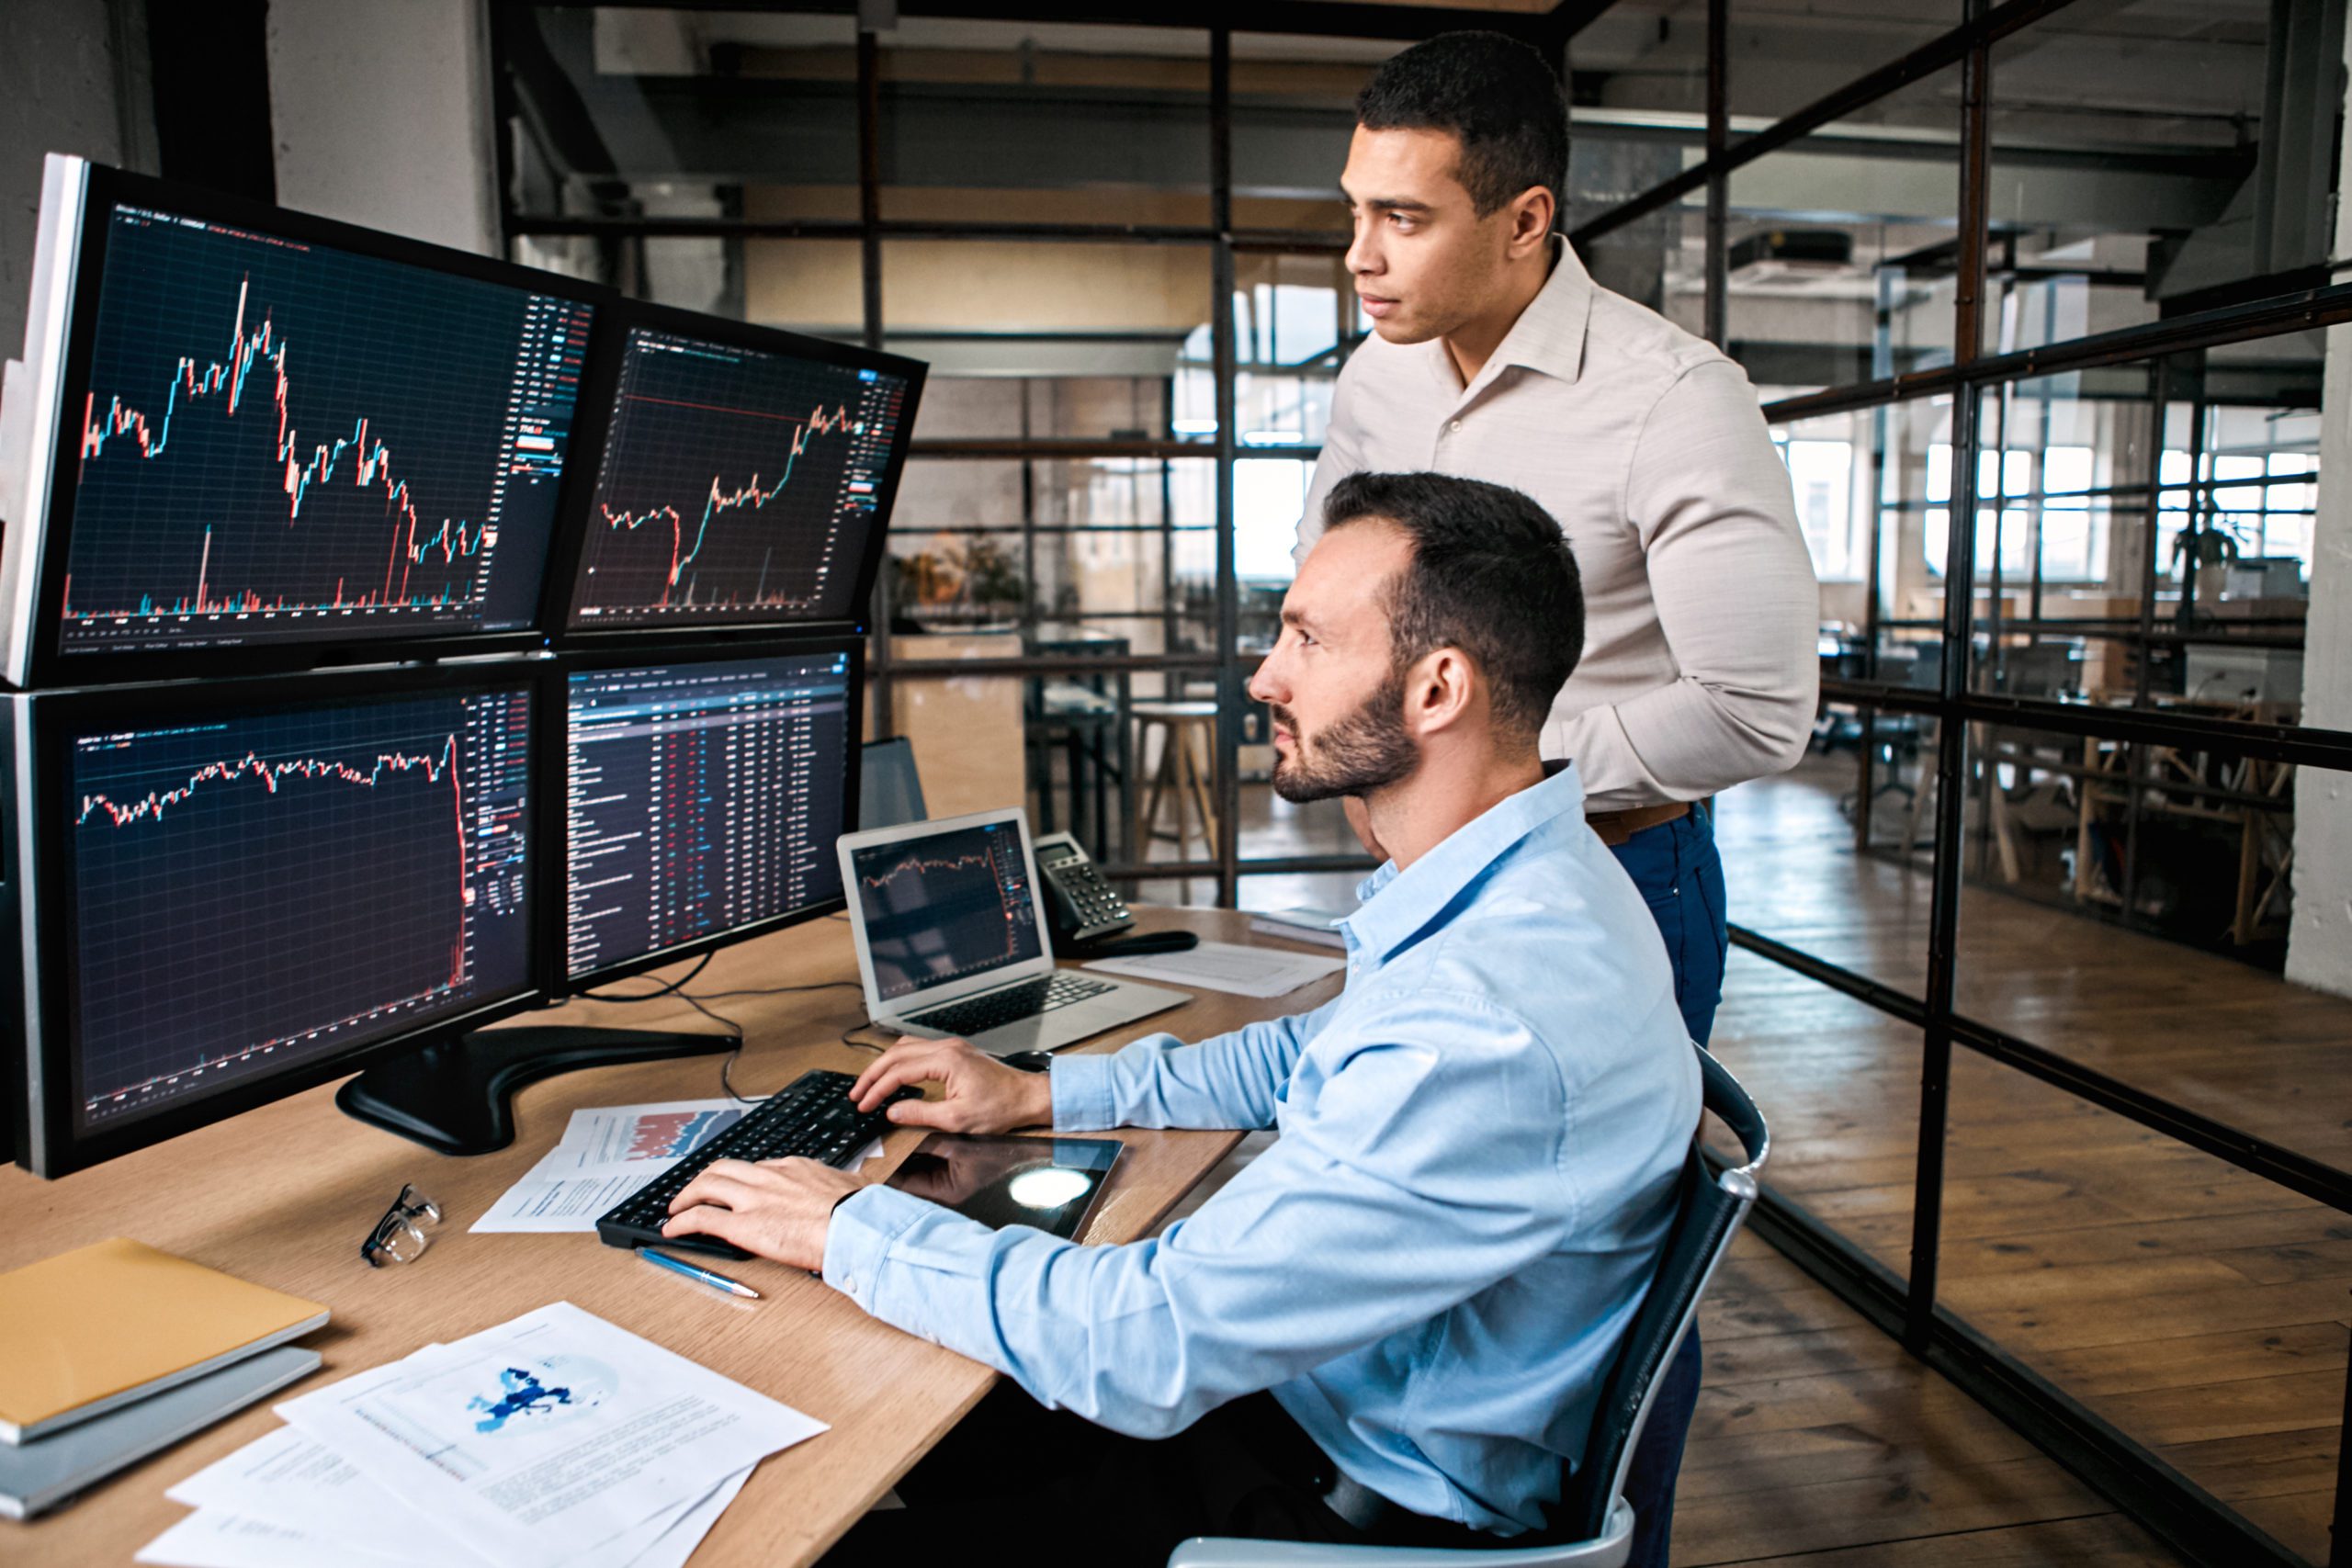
{"points": [[1616, 827]]}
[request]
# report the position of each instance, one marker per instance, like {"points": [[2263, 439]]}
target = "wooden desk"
{"points": [[283, 1195]]}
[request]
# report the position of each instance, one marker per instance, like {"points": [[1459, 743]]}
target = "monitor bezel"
{"points": [[600, 386], [48, 665], [44, 721], [555, 981], [13, 1066]]}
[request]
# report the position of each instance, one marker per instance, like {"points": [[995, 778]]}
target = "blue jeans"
{"points": [[1682, 878]]}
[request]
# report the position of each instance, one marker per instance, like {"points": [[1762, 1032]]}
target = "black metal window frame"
{"points": [[2186, 1517]]}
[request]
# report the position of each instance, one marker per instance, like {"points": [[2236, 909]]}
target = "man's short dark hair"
{"points": [[1493, 92], [1491, 574]]}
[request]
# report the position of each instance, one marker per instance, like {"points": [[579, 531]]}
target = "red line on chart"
{"points": [[437, 765], [370, 467], [722, 408], [919, 865]]}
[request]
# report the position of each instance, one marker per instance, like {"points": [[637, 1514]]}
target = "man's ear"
{"points": [[1441, 691], [1530, 220]]}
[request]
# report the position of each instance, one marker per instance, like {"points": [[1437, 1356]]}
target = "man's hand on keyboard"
{"points": [[981, 1094], [778, 1209]]}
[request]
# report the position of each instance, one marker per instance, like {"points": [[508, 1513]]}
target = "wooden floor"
{"points": [[2203, 1311], [1818, 1441]]}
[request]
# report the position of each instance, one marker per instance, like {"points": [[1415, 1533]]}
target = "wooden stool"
{"points": [[1191, 775]]}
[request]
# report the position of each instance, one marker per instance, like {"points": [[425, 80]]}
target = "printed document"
{"points": [[605, 1155], [212, 1537], [540, 1441], [1260, 972]]}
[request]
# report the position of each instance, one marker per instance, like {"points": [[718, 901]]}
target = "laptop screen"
{"points": [[945, 905]]}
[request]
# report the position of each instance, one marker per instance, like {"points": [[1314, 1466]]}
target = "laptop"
{"points": [[952, 940]]}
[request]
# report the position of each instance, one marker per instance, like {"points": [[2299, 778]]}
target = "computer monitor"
{"points": [[744, 479], [262, 440], [12, 1034], [890, 790], [239, 890], [704, 791]]}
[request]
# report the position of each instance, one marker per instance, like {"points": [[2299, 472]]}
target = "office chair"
{"points": [[1592, 1525]]}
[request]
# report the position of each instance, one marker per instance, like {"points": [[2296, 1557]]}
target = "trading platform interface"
{"points": [[283, 442], [701, 798], [947, 905], [737, 486], [253, 889]]}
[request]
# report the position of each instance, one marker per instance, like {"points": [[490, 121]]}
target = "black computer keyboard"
{"points": [[978, 1015], [812, 1115]]}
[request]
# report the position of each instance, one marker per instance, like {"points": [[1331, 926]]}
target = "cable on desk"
{"points": [[862, 1045], [779, 990], [671, 989]]}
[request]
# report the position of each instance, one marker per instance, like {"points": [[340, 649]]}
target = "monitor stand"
{"points": [[456, 1096]]}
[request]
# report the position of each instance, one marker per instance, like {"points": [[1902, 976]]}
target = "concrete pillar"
{"points": [[2319, 942], [406, 147], [73, 79]]}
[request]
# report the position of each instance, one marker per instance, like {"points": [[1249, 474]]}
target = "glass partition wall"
{"points": [[2027, 968]]}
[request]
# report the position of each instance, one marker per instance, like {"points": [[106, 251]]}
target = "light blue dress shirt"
{"points": [[1431, 1268]]}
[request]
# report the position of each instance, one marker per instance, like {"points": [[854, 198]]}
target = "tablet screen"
{"points": [[1048, 1183]]}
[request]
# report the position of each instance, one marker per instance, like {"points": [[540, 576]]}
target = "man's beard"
{"points": [[1368, 749]]}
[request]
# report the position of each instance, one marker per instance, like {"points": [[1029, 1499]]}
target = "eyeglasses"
{"points": [[398, 1237]]}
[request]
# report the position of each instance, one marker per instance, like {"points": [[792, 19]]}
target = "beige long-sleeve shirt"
{"points": [[1701, 608]]}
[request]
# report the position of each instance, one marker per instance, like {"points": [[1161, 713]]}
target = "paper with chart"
{"points": [[1260, 972], [605, 1155], [287, 1498], [537, 1442]]}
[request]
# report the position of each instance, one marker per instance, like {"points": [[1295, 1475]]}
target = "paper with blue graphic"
{"points": [[283, 1501], [542, 1440]]}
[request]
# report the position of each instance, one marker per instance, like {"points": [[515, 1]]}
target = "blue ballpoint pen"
{"points": [[718, 1281]]}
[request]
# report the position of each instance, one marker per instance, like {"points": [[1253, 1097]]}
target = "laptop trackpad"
{"points": [[1027, 1033]]}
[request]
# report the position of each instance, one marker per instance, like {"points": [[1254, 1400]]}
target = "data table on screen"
{"points": [[253, 888], [700, 797], [283, 442], [736, 485]]}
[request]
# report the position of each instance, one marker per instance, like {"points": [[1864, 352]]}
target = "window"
{"points": [[1821, 473]]}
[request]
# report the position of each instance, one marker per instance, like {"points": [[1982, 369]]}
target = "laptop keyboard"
{"points": [[978, 1015]]}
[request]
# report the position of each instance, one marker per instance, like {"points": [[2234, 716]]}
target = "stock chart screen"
{"points": [[254, 889], [736, 486], [945, 905], [700, 797], [283, 441]]}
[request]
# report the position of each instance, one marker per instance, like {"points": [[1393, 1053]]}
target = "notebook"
{"points": [[1303, 924], [37, 1476], [92, 1330], [952, 940]]}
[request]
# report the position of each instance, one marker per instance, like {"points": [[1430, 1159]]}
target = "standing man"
{"points": [[1496, 356]]}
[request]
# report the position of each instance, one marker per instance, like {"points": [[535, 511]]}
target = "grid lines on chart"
{"points": [[722, 490], [409, 373], [241, 913]]}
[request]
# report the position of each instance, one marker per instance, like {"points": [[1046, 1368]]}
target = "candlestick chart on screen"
{"points": [[735, 485], [282, 442], [251, 885]]}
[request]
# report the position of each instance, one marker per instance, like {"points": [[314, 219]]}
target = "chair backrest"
{"points": [[1709, 1213]]}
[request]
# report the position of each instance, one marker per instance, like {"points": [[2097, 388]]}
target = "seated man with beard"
{"points": [[1391, 1327]]}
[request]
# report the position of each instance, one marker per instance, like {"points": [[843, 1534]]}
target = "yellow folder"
{"points": [[92, 1330]]}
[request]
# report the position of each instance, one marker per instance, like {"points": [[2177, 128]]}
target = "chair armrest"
{"points": [[1606, 1550]]}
